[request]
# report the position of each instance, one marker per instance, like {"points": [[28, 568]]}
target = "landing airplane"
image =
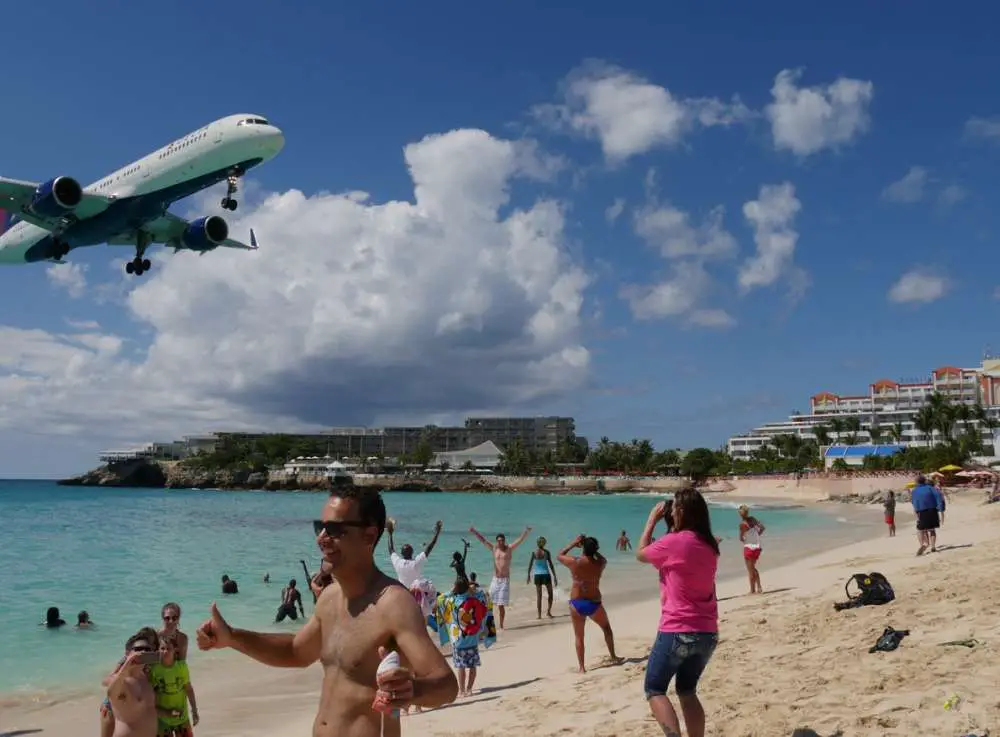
{"points": [[44, 222]]}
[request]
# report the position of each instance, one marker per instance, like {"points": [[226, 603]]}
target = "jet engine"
{"points": [[56, 197], [205, 234]]}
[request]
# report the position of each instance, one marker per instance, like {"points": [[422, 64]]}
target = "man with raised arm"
{"points": [[359, 618], [409, 569], [502, 555]]}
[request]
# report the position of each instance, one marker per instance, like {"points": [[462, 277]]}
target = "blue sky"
{"points": [[578, 233]]}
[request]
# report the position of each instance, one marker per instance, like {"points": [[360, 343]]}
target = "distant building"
{"points": [[537, 434], [886, 407], [485, 456], [854, 455]]}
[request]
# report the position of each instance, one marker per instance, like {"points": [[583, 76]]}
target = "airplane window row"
{"points": [[174, 147], [253, 121]]}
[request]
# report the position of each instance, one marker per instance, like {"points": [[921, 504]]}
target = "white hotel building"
{"points": [[886, 402]]}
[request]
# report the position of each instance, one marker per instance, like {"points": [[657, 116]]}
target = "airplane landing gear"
{"points": [[228, 203], [139, 265]]}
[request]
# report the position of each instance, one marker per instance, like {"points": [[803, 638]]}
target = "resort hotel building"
{"points": [[886, 411]]}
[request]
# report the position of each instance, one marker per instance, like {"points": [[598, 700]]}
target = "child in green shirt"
{"points": [[172, 685]]}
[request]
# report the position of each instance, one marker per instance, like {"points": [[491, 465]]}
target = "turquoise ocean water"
{"points": [[121, 553]]}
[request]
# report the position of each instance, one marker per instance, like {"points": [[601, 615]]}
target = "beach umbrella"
{"points": [[968, 474], [950, 467], [910, 484]]}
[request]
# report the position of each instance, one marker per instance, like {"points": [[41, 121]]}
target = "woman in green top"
{"points": [[172, 685]]}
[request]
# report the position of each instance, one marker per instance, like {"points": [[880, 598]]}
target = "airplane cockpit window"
{"points": [[253, 121]]}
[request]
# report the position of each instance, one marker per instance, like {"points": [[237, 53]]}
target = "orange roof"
{"points": [[825, 397], [885, 384], [946, 371]]}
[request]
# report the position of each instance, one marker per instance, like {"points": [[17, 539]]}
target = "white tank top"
{"points": [[751, 538]]}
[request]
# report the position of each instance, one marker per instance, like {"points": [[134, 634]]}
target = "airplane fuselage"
{"points": [[144, 189]]}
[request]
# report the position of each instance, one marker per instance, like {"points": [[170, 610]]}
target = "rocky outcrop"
{"points": [[176, 475], [872, 497]]}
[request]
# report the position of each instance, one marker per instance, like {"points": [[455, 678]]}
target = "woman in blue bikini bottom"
{"points": [[585, 597]]}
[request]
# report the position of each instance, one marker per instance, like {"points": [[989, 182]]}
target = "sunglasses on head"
{"points": [[336, 528]]}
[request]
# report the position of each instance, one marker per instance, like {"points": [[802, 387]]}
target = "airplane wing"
{"points": [[168, 229], [16, 195]]}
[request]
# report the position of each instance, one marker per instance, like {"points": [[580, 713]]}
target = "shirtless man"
{"points": [[502, 554], [623, 543], [130, 694], [291, 597], [358, 617]]}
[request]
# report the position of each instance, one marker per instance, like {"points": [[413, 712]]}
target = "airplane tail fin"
{"points": [[6, 220]]}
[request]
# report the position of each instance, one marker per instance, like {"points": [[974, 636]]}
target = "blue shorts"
{"points": [[466, 657], [680, 654]]}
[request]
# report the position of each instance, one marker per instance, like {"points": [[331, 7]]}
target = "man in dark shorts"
{"points": [[928, 503], [290, 598]]}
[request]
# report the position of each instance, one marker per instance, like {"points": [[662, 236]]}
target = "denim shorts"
{"points": [[680, 654]]}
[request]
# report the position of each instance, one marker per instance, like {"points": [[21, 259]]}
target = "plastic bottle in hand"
{"points": [[382, 703]]}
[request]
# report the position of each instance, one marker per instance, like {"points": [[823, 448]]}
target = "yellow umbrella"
{"points": [[950, 467], [910, 484]]}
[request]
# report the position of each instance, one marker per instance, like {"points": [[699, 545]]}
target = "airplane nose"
{"points": [[276, 141]]}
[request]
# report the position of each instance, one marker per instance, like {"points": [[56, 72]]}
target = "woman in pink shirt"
{"points": [[687, 561]]}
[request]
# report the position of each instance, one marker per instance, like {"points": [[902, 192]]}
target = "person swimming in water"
{"points": [[544, 573], [585, 596], [52, 618], [229, 586], [83, 621]]}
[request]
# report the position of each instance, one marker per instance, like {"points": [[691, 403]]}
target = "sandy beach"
{"points": [[786, 660]]}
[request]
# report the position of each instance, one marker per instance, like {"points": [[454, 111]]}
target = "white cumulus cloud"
{"points": [[806, 120], [985, 128], [70, 277], [353, 311], [670, 230], [919, 285], [630, 115], [615, 209], [908, 188], [772, 217]]}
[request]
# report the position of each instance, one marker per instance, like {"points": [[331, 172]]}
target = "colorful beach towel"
{"points": [[465, 620], [425, 593]]}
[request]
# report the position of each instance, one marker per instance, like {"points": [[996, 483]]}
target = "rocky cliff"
{"points": [[175, 475]]}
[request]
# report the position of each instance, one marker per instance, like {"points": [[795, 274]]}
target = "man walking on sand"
{"points": [[502, 555], [358, 619], [928, 503]]}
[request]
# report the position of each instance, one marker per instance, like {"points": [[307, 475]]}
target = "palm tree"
{"points": [[924, 423], [875, 432], [837, 427], [822, 433]]}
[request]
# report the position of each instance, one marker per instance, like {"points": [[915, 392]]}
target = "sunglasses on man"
{"points": [[336, 528]]}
